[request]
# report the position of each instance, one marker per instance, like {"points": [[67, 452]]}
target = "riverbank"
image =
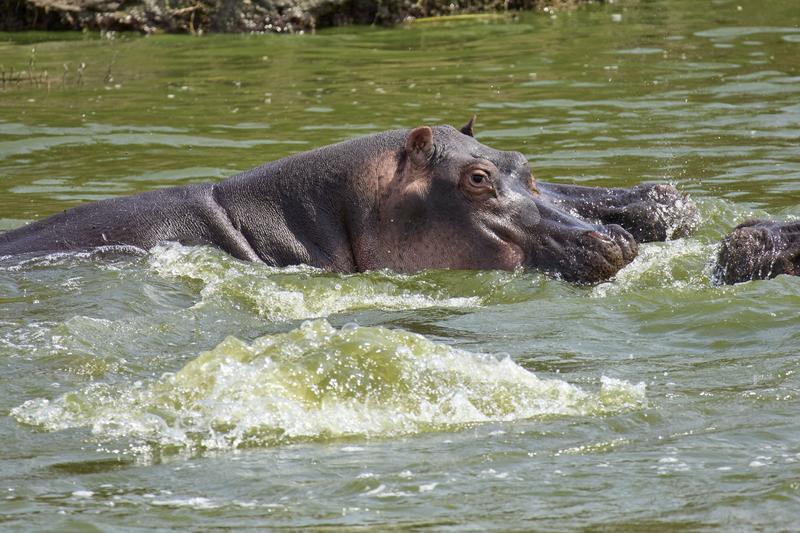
{"points": [[248, 16]]}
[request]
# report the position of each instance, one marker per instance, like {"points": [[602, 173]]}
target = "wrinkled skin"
{"points": [[649, 212], [759, 249], [403, 200], [441, 216]]}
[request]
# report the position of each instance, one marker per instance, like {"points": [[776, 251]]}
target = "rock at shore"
{"points": [[193, 16]]}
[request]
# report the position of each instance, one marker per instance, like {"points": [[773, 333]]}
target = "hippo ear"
{"points": [[419, 145], [467, 128]]}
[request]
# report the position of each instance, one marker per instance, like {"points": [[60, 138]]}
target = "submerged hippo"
{"points": [[759, 249], [405, 200], [649, 212]]}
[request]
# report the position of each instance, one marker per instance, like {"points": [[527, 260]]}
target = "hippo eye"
{"points": [[477, 179], [480, 179], [478, 183]]}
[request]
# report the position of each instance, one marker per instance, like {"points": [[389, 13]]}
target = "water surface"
{"points": [[184, 388]]}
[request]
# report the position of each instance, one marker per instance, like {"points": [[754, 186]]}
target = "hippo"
{"points": [[759, 249], [649, 212], [405, 200]]}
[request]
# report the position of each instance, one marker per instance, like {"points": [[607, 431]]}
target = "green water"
{"points": [[186, 390]]}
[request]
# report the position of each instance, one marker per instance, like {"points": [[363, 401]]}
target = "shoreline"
{"points": [[248, 16]]}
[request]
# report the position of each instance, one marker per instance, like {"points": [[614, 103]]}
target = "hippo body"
{"points": [[759, 249], [405, 200]]}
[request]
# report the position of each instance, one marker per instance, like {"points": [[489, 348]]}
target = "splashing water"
{"points": [[677, 264], [317, 382], [295, 292]]}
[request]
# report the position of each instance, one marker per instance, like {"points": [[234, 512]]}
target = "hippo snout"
{"points": [[582, 255], [600, 254], [578, 251], [627, 243]]}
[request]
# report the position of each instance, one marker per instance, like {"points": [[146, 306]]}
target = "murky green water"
{"points": [[185, 389]]}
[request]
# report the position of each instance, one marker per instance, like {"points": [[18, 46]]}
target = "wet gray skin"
{"points": [[759, 249], [405, 200], [480, 208], [650, 211]]}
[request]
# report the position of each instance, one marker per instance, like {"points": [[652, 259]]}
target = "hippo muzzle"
{"points": [[575, 250]]}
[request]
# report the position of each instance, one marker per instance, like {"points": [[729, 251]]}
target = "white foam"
{"points": [[679, 264], [308, 293], [317, 382]]}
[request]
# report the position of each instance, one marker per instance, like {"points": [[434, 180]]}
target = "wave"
{"points": [[316, 383]]}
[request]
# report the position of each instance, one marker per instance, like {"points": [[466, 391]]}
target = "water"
{"points": [[184, 388]]}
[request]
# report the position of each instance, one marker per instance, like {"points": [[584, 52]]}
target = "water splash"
{"points": [[317, 382], [681, 265], [302, 291]]}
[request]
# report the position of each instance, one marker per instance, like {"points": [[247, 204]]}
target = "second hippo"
{"points": [[759, 249]]}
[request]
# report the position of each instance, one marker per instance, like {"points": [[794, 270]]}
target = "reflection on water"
{"points": [[183, 386]]}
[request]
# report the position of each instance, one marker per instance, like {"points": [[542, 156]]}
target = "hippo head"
{"points": [[759, 249], [451, 202]]}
